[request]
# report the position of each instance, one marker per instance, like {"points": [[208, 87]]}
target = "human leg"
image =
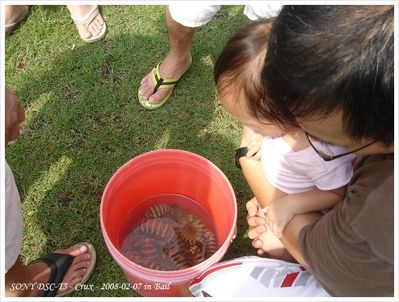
{"points": [[13, 14], [89, 22], [270, 244], [36, 274], [175, 64], [262, 238], [181, 22]]}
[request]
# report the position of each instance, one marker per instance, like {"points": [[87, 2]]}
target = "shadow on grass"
{"points": [[84, 121]]}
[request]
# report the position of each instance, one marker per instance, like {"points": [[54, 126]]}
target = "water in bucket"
{"points": [[170, 232]]}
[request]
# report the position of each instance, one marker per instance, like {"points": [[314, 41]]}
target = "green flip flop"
{"points": [[159, 83]]}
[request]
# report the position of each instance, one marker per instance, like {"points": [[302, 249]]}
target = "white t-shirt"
{"points": [[13, 220], [304, 170]]}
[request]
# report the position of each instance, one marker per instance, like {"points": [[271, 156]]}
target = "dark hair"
{"points": [[325, 59], [319, 60], [240, 66]]}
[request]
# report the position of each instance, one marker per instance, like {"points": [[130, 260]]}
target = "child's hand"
{"points": [[278, 214]]}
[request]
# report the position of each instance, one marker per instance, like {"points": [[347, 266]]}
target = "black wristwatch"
{"points": [[240, 152]]}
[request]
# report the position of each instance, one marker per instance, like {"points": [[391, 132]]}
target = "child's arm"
{"points": [[264, 192], [253, 143], [282, 210]]}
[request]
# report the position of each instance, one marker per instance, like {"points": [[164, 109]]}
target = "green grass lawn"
{"points": [[84, 121]]}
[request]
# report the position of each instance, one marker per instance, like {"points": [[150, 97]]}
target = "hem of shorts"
{"points": [[181, 20]]}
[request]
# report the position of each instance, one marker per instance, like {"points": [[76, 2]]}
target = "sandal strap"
{"points": [[59, 265], [87, 19], [159, 82]]}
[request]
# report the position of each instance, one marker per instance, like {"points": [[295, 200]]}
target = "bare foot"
{"points": [[172, 67], [40, 271], [95, 27], [270, 244]]}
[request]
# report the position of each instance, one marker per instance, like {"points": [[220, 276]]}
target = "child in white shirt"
{"points": [[298, 179]]}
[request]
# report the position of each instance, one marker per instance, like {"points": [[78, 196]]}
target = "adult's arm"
{"points": [[350, 249], [291, 234]]}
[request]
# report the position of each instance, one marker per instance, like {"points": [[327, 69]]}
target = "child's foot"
{"points": [[80, 14], [40, 271], [172, 67]]}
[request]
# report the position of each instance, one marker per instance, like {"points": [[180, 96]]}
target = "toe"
{"points": [[146, 89], [100, 19], [98, 24], [75, 250], [84, 33], [93, 29], [158, 96], [257, 243], [145, 79], [79, 273], [75, 281], [80, 265], [82, 259]]}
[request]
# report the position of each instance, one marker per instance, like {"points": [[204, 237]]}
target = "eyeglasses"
{"points": [[327, 155]]}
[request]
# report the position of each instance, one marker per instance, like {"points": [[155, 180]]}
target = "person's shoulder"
{"points": [[378, 160], [371, 171], [373, 182], [374, 221]]}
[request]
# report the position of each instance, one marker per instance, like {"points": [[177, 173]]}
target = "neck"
{"points": [[296, 139], [377, 148]]}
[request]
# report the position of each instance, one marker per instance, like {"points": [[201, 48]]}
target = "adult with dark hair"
{"points": [[328, 70]]}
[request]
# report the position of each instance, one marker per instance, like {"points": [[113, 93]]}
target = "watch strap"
{"points": [[240, 152]]}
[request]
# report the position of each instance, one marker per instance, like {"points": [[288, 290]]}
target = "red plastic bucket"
{"points": [[166, 172]]}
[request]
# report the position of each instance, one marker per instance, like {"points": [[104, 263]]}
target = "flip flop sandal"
{"points": [[9, 27], [59, 265], [159, 83], [86, 21]]}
